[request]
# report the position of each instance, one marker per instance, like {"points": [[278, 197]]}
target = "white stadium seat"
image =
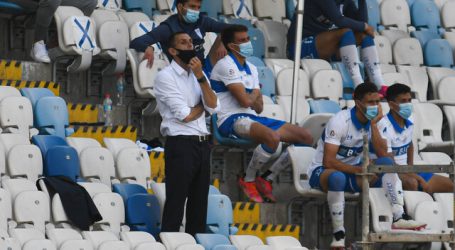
{"points": [[177, 241], [276, 10], [94, 188], [440, 3], [209, 40], [133, 18], [412, 200], [16, 116], [449, 111], [445, 200], [303, 108], [301, 158], [436, 158], [9, 244], [32, 239], [450, 37], [111, 208], [384, 49], [284, 243], [133, 166], [436, 75], [327, 84], [284, 83], [141, 241], [276, 65], [7, 212], [315, 124], [408, 51], [446, 90], [68, 239], [274, 111], [230, 7], [80, 143], [418, 79], [248, 242], [395, 13], [97, 165], [392, 78], [115, 145], [447, 17], [163, 6], [311, 66], [394, 35], [7, 91], [274, 34], [76, 36], [112, 5], [102, 240]]}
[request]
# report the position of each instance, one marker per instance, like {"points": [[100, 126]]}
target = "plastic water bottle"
{"points": [[107, 107], [120, 89]]}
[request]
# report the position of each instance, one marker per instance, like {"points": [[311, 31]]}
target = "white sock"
{"points": [[336, 207], [350, 58], [371, 60], [279, 165], [260, 157], [393, 188]]}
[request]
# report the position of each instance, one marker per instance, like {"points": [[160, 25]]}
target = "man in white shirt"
{"points": [[183, 95], [339, 155], [398, 129], [236, 83]]}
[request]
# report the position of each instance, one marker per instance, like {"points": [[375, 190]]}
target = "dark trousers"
{"points": [[187, 168]]}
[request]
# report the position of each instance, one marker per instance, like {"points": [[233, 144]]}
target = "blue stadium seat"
{"points": [[374, 16], [34, 94], [266, 81], [145, 6], [323, 106], [348, 84], [46, 142], [214, 242], [410, 2], [52, 117], [240, 21], [425, 14], [258, 41], [228, 141], [290, 9], [213, 190], [256, 61], [127, 190], [213, 8], [62, 160], [424, 36], [10, 8], [438, 53], [219, 215]]}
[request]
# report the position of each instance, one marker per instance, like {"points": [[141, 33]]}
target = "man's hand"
{"points": [[379, 116], [196, 66], [369, 30], [149, 55], [221, 52]]}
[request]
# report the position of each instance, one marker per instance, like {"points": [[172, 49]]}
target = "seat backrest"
{"points": [[273, 111], [16, 114], [242, 242], [438, 53], [429, 116], [7, 91], [113, 5], [94, 188], [81, 143], [301, 158], [109, 26], [134, 164], [32, 206], [63, 237], [383, 47], [16, 186], [274, 33], [131, 18], [303, 108], [159, 189], [348, 83], [315, 124], [418, 78], [374, 17], [209, 241], [219, 214], [392, 78], [276, 64], [115, 145], [46, 142], [446, 89], [212, 8], [327, 84], [425, 14], [112, 209], [25, 160], [174, 240], [58, 212], [448, 19], [143, 213], [412, 200], [258, 40], [34, 94], [147, 75], [445, 201], [395, 13], [229, 7], [145, 7], [256, 61], [381, 210], [62, 160], [10, 140], [436, 75], [276, 10], [424, 36], [137, 240], [449, 112], [52, 112], [140, 28], [407, 51], [103, 240], [431, 213], [97, 163], [7, 212], [324, 106], [394, 35], [283, 242], [127, 190], [266, 81], [311, 66], [285, 79]]}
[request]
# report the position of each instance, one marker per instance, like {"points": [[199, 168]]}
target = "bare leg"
{"points": [[294, 134], [440, 184]]}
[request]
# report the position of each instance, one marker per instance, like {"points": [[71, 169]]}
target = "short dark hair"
{"points": [[183, 1], [227, 35], [396, 90], [173, 37], [363, 89]]}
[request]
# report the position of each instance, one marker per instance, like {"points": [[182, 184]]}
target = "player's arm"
{"points": [[378, 140], [330, 161], [243, 98]]}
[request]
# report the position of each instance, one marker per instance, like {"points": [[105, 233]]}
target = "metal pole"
{"points": [[365, 194], [298, 48]]}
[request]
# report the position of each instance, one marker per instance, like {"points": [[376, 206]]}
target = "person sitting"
{"points": [[338, 158], [336, 27], [236, 83]]}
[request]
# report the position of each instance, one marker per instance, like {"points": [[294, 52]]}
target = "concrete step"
{"points": [[25, 70]]}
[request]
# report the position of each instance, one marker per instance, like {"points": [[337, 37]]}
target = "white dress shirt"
{"points": [[176, 93]]}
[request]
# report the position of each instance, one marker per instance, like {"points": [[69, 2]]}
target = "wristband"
{"points": [[202, 79]]}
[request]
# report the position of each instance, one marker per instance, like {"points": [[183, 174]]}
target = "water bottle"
{"points": [[107, 107], [120, 89]]}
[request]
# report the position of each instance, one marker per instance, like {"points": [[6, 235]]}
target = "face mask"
{"points": [[191, 16], [405, 110], [246, 49], [371, 112], [186, 55]]}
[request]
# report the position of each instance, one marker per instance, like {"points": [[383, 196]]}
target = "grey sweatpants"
{"points": [[47, 8]]}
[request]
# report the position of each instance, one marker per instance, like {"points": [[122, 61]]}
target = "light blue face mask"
{"points": [[371, 112], [405, 110], [246, 49], [191, 16]]}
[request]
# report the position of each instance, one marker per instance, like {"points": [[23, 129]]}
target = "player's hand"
{"points": [[379, 116], [369, 30], [221, 52], [149, 55], [196, 66]]}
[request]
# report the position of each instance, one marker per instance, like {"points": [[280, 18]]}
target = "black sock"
{"points": [[266, 174], [339, 235]]}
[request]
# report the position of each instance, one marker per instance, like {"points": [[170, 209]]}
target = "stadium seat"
{"points": [[7, 212], [158, 19], [450, 37], [436, 75], [275, 10], [77, 38], [94, 188], [312, 66], [348, 84], [213, 190], [34, 94], [46, 142], [141, 241], [214, 242], [449, 112], [175, 241], [394, 35], [102, 240], [374, 16], [146, 7], [112, 5], [438, 53], [55, 122], [128, 190], [315, 124], [212, 8], [418, 79], [219, 215], [445, 201], [274, 111], [285, 79], [274, 34], [384, 49], [240, 21], [132, 163], [133, 18], [229, 141], [446, 90], [112, 38], [303, 108], [62, 161], [231, 8], [436, 158], [448, 20], [412, 200], [16, 116], [32, 239], [266, 81], [327, 84], [276, 65], [425, 14], [392, 78], [97, 165], [429, 116], [111, 208], [395, 13], [440, 3], [256, 61], [9, 243], [22, 158], [257, 38], [68, 239], [323, 106], [7, 91], [424, 36], [248, 242], [209, 40], [284, 243], [159, 189], [408, 51], [81, 143]]}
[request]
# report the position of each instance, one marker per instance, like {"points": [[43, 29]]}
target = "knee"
{"points": [[337, 181], [367, 41], [305, 136], [347, 37], [272, 140], [410, 184]]}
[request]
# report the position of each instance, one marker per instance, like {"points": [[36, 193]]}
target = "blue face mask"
{"points": [[191, 16], [246, 49], [371, 112], [405, 110]]}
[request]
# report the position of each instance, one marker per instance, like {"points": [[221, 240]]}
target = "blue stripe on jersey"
{"points": [[219, 87], [401, 150], [344, 150]]}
